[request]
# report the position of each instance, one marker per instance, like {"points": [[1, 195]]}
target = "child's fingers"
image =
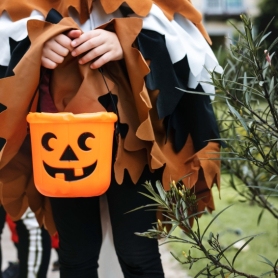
{"points": [[74, 34], [47, 63], [102, 60], [51, 59], [93, 54], [87, 45], [64, 41], [56, 48], [85, 37], [91, 46]]}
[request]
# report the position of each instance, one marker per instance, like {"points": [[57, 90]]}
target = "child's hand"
{"points": [[98, 46], [57, 48]]}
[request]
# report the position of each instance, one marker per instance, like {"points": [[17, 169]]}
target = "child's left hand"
{"points": [[98, 46]]}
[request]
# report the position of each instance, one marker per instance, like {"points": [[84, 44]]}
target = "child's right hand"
{"points": [[56, 49]]}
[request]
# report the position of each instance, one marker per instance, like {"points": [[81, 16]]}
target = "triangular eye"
{"points": [[68, 154], [82, 140]]}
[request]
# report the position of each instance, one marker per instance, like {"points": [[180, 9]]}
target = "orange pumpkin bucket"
{"points": [[72, 153]]}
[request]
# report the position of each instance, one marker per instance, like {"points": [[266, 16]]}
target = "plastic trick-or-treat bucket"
{"points": [[72, 153]]}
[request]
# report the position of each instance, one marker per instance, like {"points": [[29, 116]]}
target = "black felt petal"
{"points": [[53, 16], [205, 125], [13, 45], [110, 102], [3, 70], [194, 114], [162, 77], [2, 107], [18, 49], [2, 143], [183, 113]]}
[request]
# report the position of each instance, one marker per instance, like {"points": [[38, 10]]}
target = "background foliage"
{"points": [[268, 10], [246, 106]]}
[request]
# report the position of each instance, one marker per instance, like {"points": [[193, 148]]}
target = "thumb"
{"points": [[74, 34]]}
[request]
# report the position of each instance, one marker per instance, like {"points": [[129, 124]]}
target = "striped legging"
{"points": [[34, 247]]}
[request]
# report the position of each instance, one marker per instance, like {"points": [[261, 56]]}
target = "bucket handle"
{"points": [[112, 101]]}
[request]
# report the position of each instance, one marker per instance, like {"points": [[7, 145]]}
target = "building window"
{"points": [[213, 4], [220, 7], [234, 4]]}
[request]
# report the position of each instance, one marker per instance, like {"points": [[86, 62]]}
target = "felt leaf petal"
{"points": [[21, 9]]}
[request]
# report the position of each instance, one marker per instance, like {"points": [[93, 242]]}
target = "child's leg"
{"points": [[79, 228], [138, 256], [34, 247], [2, 224]]}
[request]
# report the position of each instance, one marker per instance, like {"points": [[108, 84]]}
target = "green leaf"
{"points": [[267, 261], [240, 249], [273, 44], [272, 177], [231, 244], [260, 217], [263, 38], [214, 218], [268, 273], [173, 228], [161, 192], [232, 109], [201, 272]]}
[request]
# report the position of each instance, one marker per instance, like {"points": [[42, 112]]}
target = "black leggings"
{"points": [[79, 228], [2, 224]]}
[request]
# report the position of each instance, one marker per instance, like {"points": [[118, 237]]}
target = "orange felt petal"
{"points": [[186, 9], [22, 9], [141, 8], [22, 87], [13, 179]]}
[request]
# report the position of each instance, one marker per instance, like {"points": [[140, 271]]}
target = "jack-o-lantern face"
{"points": [[84, 148], [72, 153]]}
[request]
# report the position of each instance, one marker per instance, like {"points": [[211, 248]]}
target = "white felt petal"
{"points": [[97, 17], [183, 38], [16, 30]]}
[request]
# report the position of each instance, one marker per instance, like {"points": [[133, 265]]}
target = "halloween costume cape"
{"points": [[159, 124]]}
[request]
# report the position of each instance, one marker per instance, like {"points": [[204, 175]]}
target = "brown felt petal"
{"points": [[17, 93], [183, 7], [21, 9], [141, 8], [186, 9], [22, 87], [134, 162], [75, 88], [13, 178]]}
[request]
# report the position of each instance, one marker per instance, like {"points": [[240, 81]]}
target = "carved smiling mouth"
{"points": [[69, 174]]}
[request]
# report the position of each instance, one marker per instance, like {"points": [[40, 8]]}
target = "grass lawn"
{"points": [[237, 222]]}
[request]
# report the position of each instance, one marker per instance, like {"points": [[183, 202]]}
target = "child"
{"points": [[146, 53]]}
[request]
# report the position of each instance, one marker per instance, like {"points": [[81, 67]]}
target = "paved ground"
{"points": [[171, 266]]}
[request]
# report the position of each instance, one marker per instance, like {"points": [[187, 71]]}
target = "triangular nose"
{"points": [[68, 154]]}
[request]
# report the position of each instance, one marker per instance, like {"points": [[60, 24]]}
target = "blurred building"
{"points": [[217, 13]]}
